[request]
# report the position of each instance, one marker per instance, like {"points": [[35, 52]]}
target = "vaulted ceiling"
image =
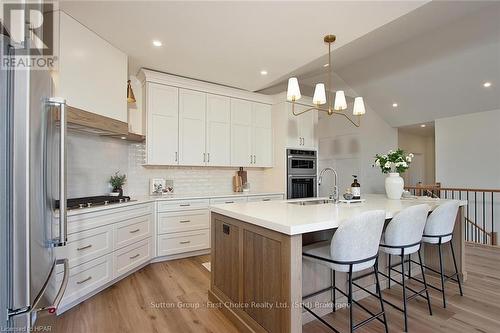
{"points": [[230, 42], [432, 62]]}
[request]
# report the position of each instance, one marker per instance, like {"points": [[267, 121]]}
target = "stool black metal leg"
{"points": [[404, 290], [389, 273], [379, 292], [456, 269], [409, 266], [425, 282], [349, 299], [334, 302], [441, 270]]}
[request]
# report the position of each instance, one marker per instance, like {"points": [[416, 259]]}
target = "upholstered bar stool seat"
{"points": [[353, 248]]}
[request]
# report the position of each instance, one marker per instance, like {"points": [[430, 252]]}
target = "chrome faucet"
{"points": [[335, 194]]}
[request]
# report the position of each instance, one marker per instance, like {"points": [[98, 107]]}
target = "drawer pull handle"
{"points": [[134, 231], [266, 199], [185, 242], [229, 202], [184, 221], [185, 205], [84, 280], [84, 247], [136, 256]]}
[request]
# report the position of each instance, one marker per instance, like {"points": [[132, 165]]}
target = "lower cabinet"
{"points": [[86, 278], [132, 256], [182, 242]]}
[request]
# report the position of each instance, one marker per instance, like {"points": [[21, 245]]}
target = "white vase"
{"points": [[394, 186]]}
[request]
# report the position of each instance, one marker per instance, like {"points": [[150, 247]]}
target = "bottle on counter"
{"points": [[356, 189]]}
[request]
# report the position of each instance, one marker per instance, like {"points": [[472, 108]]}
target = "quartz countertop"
{"points": [[292, 219], [170, 197]]}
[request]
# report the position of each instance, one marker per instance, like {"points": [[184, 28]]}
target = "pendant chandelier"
{"points": [[338, 106]]}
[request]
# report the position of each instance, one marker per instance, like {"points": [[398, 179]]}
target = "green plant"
{"points": [[117, 180], [394, 161]]}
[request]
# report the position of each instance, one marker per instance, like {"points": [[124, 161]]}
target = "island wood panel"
{"points": [[268, 271], [431, 254], [227, 246]]}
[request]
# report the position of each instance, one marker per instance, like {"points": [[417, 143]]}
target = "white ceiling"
{"points": [[432, 62], [231, 42]]}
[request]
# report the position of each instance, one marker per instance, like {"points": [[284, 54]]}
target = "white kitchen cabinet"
{"points": [[262, 147], [162, 105], [251, 134], [218, 130], [192, 127], [301, 130], [92, 73], [241, 133]]}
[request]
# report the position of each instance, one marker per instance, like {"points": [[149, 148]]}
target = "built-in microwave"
{"points": [[301, 162]]}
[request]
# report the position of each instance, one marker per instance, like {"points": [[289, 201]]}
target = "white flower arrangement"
{"points": [[394, 161]]}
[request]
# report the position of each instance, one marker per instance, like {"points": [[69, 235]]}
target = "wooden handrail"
{"points": [[435, 188], [478, 227]]}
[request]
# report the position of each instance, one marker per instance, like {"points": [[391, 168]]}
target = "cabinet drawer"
{"points": [[265, 198], [183, 242], [86, 245], [228, 200], [86, 278], [132, 256], [164, 206], [133, 230], [183, 221]]}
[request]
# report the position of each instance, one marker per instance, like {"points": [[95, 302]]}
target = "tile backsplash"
{"points": [[92, 160]]}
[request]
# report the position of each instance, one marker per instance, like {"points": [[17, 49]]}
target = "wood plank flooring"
{"points": [[147, 302]]}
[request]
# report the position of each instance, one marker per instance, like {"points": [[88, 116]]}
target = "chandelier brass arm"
{"points": [[329, 112]]}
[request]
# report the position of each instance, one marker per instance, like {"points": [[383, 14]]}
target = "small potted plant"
{"points": [[394, 163], [117, 181]]}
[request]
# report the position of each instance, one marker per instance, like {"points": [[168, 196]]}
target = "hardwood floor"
{"points": [[147, 302]]}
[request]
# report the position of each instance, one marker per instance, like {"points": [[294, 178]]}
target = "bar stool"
{"points": [[402, 237], [353, 248], [439, 230]]}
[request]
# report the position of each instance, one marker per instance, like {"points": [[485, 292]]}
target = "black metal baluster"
{"points": [[476, 233], [484, 219], [467, 213]]}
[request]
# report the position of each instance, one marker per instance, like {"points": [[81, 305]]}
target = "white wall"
{"points": [[468, 150], [93, 159], [351, 150], [419, 145]]}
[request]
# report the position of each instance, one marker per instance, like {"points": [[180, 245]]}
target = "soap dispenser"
{"points": [[356, 189]]}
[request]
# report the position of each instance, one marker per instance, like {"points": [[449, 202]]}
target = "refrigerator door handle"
{"points": [[64, 284], [63, 214]]}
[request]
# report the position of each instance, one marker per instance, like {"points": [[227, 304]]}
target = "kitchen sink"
{"points": [[312, 202]]}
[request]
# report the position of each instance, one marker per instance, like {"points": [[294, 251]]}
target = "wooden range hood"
{"points": [[88, 122]]}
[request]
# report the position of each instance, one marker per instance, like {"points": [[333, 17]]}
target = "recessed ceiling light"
{"points": [[326, 65], [263, 72], [487, 84], [157, 43], [394, 105], [423, 125]]}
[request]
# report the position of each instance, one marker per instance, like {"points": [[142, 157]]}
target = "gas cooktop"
{"points": [[87, 202]]}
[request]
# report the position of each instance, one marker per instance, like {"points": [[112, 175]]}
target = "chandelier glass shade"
{"points": [[322, 94]]}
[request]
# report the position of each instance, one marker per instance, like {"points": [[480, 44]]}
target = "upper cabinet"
{"points": [[161, 121], [218, 130], [92, 74], [301, 130], [192, 127], [241, 133], [194, 123], [262, 135]]}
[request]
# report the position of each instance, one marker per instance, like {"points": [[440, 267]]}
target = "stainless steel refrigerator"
{"points": [[33, 176]]}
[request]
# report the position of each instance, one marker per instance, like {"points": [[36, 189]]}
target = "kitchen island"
{"points": [[258, 277]]}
